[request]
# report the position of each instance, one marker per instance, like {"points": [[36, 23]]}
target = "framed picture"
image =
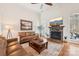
{"points": [[25, 25]]}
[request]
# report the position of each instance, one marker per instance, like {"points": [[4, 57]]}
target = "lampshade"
{"points": [[8, 26]]}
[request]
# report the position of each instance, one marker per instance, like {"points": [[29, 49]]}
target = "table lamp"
{"points": [[9, 27]]}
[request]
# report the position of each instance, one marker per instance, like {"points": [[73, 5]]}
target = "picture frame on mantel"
{"points": [[25, 25]]}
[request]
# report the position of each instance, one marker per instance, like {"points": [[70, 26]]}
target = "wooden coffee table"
{"points": [[39, 45]]}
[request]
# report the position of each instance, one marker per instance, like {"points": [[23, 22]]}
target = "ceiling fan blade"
{"points": [[50, 4], [33, 3]]}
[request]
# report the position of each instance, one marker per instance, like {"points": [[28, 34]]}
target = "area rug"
{"points": [[53, 49]]}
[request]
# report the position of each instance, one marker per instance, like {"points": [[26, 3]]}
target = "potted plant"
{"points": [[40, 28]]}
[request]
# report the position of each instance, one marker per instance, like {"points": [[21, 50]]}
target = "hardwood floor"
{"points": [[70, 49]]}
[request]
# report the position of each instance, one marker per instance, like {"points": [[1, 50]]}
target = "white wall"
{"points": [[12, 13]]}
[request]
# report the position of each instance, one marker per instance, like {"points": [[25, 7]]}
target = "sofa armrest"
{"points": [[11, 40]]}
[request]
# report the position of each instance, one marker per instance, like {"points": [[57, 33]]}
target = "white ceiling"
{"points": [[37, 7], [59, 6]]}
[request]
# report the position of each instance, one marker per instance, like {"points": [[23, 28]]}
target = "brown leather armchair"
{"points": [[11, 47]]}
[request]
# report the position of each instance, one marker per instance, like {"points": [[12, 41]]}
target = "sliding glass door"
{"points": [[74, 28]]}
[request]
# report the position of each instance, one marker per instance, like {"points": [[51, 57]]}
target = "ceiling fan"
{"points": [[49, 4], [42, 5]]}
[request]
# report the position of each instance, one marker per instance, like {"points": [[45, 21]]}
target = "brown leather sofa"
{"points": [[26, 36], [11, 47]]}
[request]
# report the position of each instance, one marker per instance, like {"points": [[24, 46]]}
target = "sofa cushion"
{"points": [[22, 34], [12, 43], [19, 52], [13, 48], [11, 40], [27, 33]]}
